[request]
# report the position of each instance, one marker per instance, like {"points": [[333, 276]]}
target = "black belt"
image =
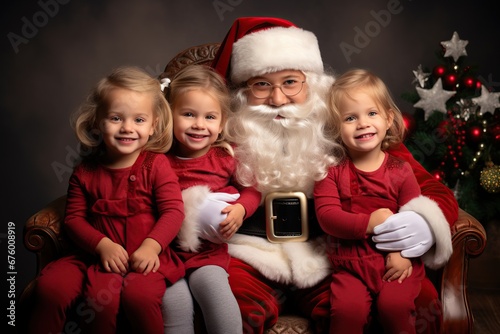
{"points": [[284, 217]]}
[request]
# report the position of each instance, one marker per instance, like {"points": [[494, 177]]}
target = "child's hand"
{"points": [[114, 258], [145, 259], [377, 217], [397, 267], [233, 221]]}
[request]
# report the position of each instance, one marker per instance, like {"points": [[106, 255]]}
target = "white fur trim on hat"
{"points": [[438, 255], [275, 49]]}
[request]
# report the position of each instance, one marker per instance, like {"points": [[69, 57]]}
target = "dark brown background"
{"points": [[78, 42]]}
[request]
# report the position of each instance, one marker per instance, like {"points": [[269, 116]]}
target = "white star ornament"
{"points": [[420, 76], [487, 101], [455, 47], [433, 99]]}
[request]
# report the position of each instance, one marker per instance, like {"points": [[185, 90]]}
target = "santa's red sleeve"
{"points": [[437, 205]]}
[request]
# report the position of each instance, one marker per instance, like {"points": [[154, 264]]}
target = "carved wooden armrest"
{"points": [[43, 235], [469, 241]]}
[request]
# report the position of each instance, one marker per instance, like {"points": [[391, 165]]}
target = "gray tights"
{"points": [[177, 309], [210, 287]]}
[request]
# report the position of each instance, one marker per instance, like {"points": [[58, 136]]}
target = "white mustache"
{"points": [[291, 115], [286, 111]]}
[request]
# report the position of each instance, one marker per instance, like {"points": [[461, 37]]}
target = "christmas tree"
{"points": [[454, 131]]}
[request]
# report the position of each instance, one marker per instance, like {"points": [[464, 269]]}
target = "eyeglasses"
{"points": [[264, 89]]}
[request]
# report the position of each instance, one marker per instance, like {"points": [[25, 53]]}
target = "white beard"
{"points": [[285, 154], [288, 153]]}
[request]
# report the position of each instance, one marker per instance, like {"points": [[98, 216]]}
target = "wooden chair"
{"points": [[44, 237]]}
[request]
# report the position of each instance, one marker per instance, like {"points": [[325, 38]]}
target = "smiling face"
{"points": [[197, 118], [126, 123], [363, 123]]}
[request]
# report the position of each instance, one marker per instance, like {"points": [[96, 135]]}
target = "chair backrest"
{"points": [[199, 54]]}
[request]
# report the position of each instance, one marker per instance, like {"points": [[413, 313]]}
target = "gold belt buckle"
{"points": [[286, 217]]}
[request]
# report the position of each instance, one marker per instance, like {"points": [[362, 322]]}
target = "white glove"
{"points": [[405, 231], [211, 216]]}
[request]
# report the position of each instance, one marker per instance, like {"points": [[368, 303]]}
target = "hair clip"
{"points": [[165, 82]]}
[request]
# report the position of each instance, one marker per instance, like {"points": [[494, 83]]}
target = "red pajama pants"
{"points": [[261, 301], [61, 284], [57, 289], [359, 295], [138, 296]]}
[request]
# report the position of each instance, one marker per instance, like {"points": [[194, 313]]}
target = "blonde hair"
{"points": [[85, 119], [376, 88], [210, 82]]}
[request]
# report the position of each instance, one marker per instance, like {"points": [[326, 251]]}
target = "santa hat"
{"points": [[259, 45]]}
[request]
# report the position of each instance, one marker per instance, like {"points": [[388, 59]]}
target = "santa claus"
{"points": [[281, 133]]}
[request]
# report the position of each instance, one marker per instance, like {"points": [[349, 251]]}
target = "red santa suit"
{"points": [[263, 275], [126, 205]]}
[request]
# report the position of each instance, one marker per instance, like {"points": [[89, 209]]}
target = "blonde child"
{"points": [[205, 165], [124, 208], [367, 187]]}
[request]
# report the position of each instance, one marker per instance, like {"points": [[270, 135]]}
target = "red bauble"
{"points": [[450, 80], [438, 175], [410, 123], [469, 82], [474, 133], [439, 70]]}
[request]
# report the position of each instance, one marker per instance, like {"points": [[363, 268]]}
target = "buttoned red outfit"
{"points": [[344, 201], [126, 205]]}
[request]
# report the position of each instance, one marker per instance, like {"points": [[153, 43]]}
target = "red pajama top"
{"points": [[127, 205], [345, 199], [215, 169]]}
